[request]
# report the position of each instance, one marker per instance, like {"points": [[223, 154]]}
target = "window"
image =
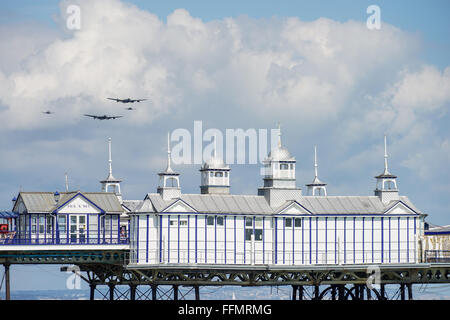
{"points": [[248, 234], [219, 174], [210, 220], [49, 224], [183, 222], [73, 229], [226, 174], [107, 223], [41, 224], [77, 228], [173, 222], [220, 221], [33, 224], [298, 222], [82, 228], [258, 234], [257, 227], [284, 166], [288, 222], [62, 224]]}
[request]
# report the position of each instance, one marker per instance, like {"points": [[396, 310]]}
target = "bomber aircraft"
{"points": [[127, 100], [104, 117]]}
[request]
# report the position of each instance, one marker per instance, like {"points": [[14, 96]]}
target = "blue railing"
{"points": [[11, 239]]}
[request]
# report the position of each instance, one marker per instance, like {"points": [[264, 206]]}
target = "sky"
{"points": [[315, 67]]}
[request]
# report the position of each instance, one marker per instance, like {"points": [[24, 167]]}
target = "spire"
{"points": [[110, 181], [169, 183], [386, 171], [279, 135], [168, 169], [67, 182], [110, 158], [315, 163], [386, 187], [215, 145], [110, 175], [316, 183]]}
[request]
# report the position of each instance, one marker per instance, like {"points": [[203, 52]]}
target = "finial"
{"points": [[67, 182], [110, 158], [279, 134], [168, 153], [315, 162], [386, 171], [215, 145]]}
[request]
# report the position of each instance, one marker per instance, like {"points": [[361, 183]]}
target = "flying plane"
{"points": [[104, 117], [127, 100], [48, 112], [130, 108]]}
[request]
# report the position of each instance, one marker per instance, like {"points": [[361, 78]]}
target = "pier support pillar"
{"points": [[341, 292], [132, 292], [197, 292], [294, 292], [410, 295], [316, 292], [154, 288], [300, 292], [92, 287], [402, 291], [356, 287], [382, 291], [175, 292], [7, 282], [111, 291]]}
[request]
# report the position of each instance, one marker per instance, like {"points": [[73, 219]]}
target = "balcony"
{"points": [[11, 238]]}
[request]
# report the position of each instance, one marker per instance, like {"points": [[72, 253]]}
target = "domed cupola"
{"points": [[215, 175], [279, 175]]}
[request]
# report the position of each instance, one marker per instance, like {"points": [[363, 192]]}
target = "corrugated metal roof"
{"points": [[132, 204], [253, 204], [43, 202]]}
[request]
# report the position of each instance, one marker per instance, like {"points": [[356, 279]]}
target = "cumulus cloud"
{"points": [[307, 68]]}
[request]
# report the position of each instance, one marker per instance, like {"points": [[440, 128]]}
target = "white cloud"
{"points": [[307, 68]]}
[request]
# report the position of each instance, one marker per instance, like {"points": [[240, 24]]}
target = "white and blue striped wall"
{"points": [[305, 240]]}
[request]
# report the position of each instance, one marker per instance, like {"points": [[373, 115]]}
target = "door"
{"points": [[77, 228]]}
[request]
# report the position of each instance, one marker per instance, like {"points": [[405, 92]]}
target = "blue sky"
{"points": [[347, 88]]}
